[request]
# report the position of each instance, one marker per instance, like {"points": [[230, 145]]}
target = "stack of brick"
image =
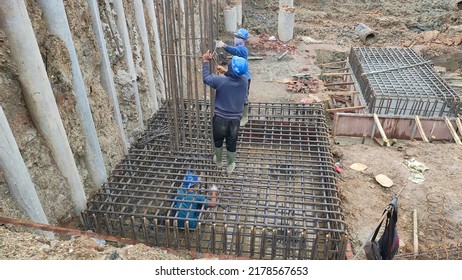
{"points": [[303, 83]]}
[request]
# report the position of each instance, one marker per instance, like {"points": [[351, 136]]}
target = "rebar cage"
{"points": [[399, 81], [281, 201]]}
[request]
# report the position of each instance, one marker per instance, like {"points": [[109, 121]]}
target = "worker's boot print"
{"points": [[218, 157], [230, 162], [245, 115]]}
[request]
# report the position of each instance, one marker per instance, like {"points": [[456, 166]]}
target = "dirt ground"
{"points": [[324, 32]]}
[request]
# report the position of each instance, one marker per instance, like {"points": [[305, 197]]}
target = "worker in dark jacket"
{"points": [[239, 49], [231, 94]]}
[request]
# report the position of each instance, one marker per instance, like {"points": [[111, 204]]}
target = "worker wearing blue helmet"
{"points": [[239, 49], [189, 203], [231, 94]]}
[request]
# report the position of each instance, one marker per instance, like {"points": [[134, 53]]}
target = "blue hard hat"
{"points": [[239, 65], [190, 180], [242, 33]]}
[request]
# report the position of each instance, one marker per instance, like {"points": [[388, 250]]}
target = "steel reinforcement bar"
{"points": [[281, 201], [399, 81]]}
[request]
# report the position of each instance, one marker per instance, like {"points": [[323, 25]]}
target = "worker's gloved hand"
{"points": [[220, 44], [213, 188], [207, 56], [220, 69]]}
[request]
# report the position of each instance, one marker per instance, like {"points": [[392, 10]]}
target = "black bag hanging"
{"points": [[388, 244]]}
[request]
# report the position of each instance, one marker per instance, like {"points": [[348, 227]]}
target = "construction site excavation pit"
{"points": [[281, 201]]}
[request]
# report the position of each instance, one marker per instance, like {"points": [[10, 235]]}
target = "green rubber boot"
{"points": [[245, 115], [230, 162], [218, 157]]}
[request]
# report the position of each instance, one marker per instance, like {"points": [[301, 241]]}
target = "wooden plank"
{"points": [[345, 109], [421, 131], [339, 84], [332, 63], [334, 74], [459, 125], [343, 93], [380, 128], [341, 99], [395, 126], [452, 130]]}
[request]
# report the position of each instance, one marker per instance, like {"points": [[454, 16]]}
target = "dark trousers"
{"points": [[248, 92], [225, 129]]}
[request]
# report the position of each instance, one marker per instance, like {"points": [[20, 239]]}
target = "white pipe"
{"points": [[286, 20], [16, 24], [17, 176], [123, 30], [238, 5], [56, 19], [107, 78], [141, 22], [183, 15], [160, 64], [230, 19]]}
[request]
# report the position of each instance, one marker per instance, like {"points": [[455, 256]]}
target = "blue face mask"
{"points": [[238, 42]]}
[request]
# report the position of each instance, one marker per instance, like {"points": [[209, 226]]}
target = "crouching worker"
{"points": [[189, 202]]}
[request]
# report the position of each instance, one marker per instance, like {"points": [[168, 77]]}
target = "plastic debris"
{"points": [[384, 181], [415, 166], [417, 178], [338, 167]]}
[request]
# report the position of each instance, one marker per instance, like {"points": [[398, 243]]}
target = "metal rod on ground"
{"points": [[282, 55]]}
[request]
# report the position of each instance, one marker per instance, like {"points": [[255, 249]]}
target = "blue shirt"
{"points": [[231, 92], [240, 51], [188, 202]]}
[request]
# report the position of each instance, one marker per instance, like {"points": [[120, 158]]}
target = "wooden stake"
{"points": [[453, 132], [382, 133], [416, 235], [421, 131], [459, 125]]}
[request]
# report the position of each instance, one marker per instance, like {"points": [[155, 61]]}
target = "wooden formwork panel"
{"points": [[398, 127]]}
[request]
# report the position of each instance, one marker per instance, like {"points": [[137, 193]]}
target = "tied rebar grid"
{"points": [[399, 81], [281, 201], [449, 252]]}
